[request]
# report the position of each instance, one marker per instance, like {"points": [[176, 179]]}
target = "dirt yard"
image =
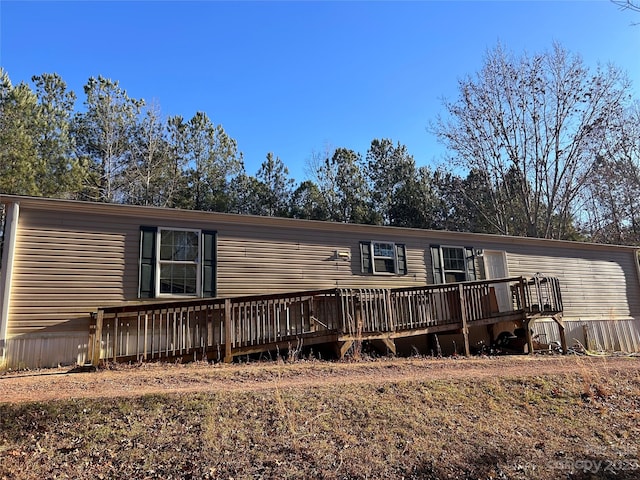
{"points": [[154, 378], [521, 417]]}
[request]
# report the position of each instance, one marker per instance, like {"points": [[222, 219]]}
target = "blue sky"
{"points": [[293, 77]]}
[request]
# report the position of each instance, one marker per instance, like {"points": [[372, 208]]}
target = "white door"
{"points": [[495, 266]]}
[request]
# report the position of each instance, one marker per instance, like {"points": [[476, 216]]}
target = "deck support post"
{"points": [[463, 315], [385, 345], [228, 356], [563, 338], [342, 348], [492, 335], [527, 325]]}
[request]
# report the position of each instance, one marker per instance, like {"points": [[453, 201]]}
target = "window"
{"points": [[452, 264], [383, 258], [177, 262]]}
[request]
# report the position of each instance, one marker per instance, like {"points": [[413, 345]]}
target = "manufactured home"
{"points": [[88, 282]]}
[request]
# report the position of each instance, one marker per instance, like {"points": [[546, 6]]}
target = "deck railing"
{"points": [[200, 328], [222, 328], [543, 295]]}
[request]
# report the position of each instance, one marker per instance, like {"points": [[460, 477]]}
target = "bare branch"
{"points": [[634, 6]]}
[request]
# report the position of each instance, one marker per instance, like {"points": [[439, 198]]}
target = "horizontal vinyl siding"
{"points": [[595, 284], [258, 260], [69, 262], [67, 265], [64, 271]]}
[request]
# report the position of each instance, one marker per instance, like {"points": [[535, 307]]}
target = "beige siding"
{"points": [[68, 264], [73, 257], [63, 271], [257, 260], [596, 283]]}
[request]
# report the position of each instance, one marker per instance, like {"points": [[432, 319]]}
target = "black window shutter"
{"points": [[209, 248], [147, 266], [365, 257], [401, 258], [469, 258], [436, 264]]}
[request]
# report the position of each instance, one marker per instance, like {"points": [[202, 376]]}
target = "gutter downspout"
{"points": [[6, 273]]}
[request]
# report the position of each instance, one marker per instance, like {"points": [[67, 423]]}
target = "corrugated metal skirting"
{"points": [[41, 351], [607, 335], [44, 351]]}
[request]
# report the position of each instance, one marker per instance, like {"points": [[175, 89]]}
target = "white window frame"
{"points": [[445, 270], [197, 262], [373, 257]]}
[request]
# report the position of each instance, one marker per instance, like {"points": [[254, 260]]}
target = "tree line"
{"points": [[539, 145]]}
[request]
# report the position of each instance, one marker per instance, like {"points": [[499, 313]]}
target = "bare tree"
{"points": [[630, 5], [533, 125], [634, 6], [323, 179], [613, 196]]}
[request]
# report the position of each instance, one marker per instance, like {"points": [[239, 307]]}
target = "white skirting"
{"points": [[46, 350], [70, 348], [620, 335]]}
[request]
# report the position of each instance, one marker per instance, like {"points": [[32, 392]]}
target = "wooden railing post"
{"points": [[97, 339], [115, 338], [524, 304], [228, 328], [463, 315], [310, 314], [344, 300], [391, 311], [92, 339], [146, 335]]}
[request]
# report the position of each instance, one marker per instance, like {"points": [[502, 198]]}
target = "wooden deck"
{"points": [[222, 328]]}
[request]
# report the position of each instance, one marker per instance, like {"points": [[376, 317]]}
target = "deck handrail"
{"points": [[192, 302], [225, 326]]}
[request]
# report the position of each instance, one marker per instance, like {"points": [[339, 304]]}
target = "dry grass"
{"points": [[579, 425]]}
